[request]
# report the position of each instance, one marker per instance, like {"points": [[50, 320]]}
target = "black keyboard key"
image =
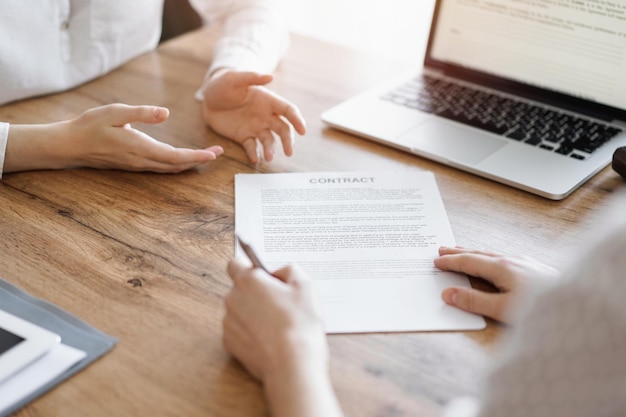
{"points": [[585, 144], [517, 134], [565, 148], [533, 140], [553, 137]]}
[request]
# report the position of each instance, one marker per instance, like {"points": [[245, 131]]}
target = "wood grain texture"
{"points": [[142, 256]]}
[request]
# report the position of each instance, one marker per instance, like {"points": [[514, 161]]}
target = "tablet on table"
{"points": [[21, 342]]}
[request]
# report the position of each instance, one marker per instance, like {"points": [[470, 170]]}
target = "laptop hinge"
{"points": [[430, 71], [620, 123]]}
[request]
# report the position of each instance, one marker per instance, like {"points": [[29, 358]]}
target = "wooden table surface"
{"points": [[142, 256]]}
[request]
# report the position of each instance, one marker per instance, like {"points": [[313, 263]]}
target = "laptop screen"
{"points": [[571, 47]]}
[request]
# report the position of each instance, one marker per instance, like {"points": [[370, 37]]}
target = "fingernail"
{"points": [[452, 296]]}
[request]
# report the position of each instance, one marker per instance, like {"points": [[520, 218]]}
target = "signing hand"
{"points": [[238, 106], [270, 321], [101, 138], [514, 276], [272, 328]]}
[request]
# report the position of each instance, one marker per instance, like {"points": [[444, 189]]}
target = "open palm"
{"points": [[239, 107]]}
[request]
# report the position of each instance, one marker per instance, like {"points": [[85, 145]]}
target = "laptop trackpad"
{"points": [[443, 139]]}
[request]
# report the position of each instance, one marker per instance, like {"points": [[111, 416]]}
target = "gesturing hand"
{"points": [[238, 106], [103, 138]]}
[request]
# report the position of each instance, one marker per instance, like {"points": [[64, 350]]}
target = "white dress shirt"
{"points": [[49, 46], [567, 356]]}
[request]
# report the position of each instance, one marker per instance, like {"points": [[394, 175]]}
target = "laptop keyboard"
{"points": [[548, 129]]}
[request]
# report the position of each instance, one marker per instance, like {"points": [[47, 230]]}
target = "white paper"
{"points": [[367, 239], [34, 376]]}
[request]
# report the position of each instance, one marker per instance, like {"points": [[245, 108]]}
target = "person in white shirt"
{"points": [[566, 358], [55, 45]]}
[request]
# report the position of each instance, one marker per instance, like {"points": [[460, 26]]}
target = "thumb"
{"points": [[253, 78], [291, 274], [477, 302], [122, 114]]}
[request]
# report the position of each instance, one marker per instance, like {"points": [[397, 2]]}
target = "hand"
{"points": [[514, 276], [238, 106], [270, 323], [101, 138], [272, 328]]}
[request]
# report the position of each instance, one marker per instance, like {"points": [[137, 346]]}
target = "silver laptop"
{"points": [[533, 96]]}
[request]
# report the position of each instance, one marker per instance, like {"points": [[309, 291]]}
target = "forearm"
{"points": [[102, 138], [302, 392], [32, 147]]}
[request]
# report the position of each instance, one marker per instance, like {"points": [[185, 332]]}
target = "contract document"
{"points": [[367, 240]]}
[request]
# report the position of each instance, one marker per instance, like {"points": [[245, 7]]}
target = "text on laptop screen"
{"points": [[570, 46]]}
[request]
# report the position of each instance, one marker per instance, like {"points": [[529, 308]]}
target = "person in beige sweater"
{"points": [[566, 358]]}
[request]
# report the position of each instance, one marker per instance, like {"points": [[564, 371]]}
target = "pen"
{"points": [[256, 262]]}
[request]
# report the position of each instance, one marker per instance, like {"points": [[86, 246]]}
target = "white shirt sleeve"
{"points": [[4, 135], [254, 37]]}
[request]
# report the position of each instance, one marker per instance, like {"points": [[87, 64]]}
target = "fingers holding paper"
{"points": [[513, 276]]}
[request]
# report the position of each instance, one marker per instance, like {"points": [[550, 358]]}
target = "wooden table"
{"points": [[142, 256]]}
